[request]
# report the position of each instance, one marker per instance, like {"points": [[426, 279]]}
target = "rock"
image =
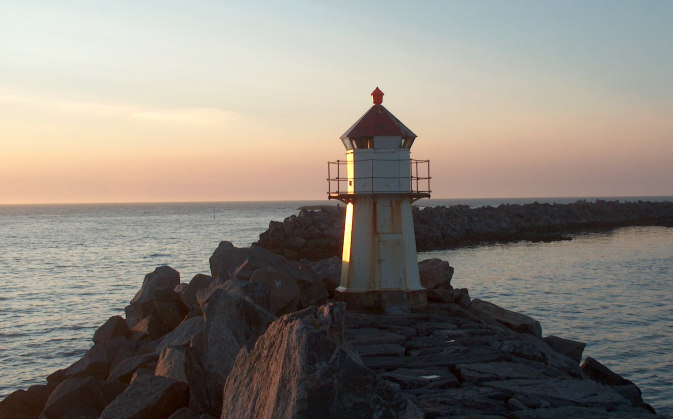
{"points": [[172, 364], [318, 234], [98, 360], [183, 334], [435, 273], [516, 321], [558, 392], [56, 377], [148, 397], [227, 260], [187, 413], [256, 292], [156, 309], [490, 371], [452, 296], [570, 348], [380, 349], [602, 374], [326, 270], [188, 295], [25, 404], [124, 370], [81, 397], [163, 277], [231, 324], [300, 368], [313, 290], [284, 294], [114, 327]]}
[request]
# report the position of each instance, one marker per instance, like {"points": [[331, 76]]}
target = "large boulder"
{"points": [[81, 397], [148, 396], [229, 262], [171, 363], [227, 259], [231, 324], [284, 293], [571, 348], [327, 270], [100, 357], [156, 309], [114, 327], [25, 404], [604, 375], [188, 293], [510, 319], [163, 277], [435, 273], [300, 368]]}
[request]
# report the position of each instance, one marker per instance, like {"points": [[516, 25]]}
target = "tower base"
{"points": [[380, 301]]}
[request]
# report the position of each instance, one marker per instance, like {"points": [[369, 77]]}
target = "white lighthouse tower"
{"points": [[378, 181]]}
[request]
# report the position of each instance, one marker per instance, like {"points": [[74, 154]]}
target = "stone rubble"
{"points": [[317, 233], [260, 337]]}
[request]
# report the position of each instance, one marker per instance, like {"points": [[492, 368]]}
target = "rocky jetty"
{"points": [[318, 233], [261, 338]]}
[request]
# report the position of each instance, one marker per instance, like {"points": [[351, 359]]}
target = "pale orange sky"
{"points": [[208, 102]]}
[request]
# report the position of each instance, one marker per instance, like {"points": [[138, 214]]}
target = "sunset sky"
{"points": [[139, 101]]}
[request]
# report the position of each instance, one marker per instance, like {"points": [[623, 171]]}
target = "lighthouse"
{"points": [[378, 181]]}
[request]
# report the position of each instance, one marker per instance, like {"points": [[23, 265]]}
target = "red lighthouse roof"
{"points": [[378, 121]]}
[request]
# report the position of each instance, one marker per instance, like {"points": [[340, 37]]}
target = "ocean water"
{"points": [[66, 268]]}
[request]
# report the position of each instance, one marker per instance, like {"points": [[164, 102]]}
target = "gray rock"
{"points": [[148, 397], [183, 334], [563, 392], [114, 327], [256, 292], [98, 360], [515, 321], [602, 374], [25, 404], [227, 259], [326, 270], [188, 295], [163, 277], [171, 364], [300, 368], [124, 370], [284, 294], [81, 397], [380, 349], [570, 348], [231, 324], [435, 273], [489, 371]]}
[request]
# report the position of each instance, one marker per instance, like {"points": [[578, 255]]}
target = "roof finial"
{"points": [[377, 94]]}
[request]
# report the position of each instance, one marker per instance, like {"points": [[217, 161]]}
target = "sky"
{"points": [[151, 101]]}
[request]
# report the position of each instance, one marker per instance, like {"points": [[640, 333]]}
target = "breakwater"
{"points": [[261, 337], [317, 233]]}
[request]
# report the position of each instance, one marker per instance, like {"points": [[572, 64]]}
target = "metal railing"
{"points": [[338, 186]]}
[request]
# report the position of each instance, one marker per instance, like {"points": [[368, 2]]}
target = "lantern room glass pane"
{"points": [[360, 143]]}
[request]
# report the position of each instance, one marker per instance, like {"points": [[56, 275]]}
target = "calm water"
{"points": [[66, 268]]}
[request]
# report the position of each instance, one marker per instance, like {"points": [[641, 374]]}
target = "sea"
{"points": [[65, 269]]}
